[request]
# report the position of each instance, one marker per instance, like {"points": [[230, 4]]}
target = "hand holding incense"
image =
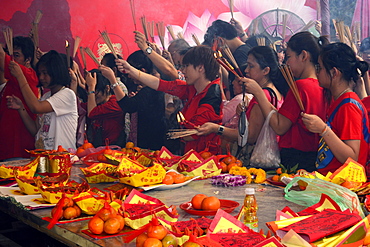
{"points": [[288, 75]]}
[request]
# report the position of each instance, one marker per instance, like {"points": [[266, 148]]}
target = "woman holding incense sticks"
{"points": [[201, 90], [262, 67], [345, 133], [297, 144], [57, 121]]}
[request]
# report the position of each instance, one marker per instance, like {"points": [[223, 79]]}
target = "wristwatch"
{"points": [[148, 50], [220, 130]]}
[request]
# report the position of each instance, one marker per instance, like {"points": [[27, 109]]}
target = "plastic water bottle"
{"points": [[248, 213]]}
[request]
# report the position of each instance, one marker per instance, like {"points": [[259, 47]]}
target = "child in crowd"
{"points": [[201, 91], [15, 137], [57, 109], [346, 131], [297, 144]]}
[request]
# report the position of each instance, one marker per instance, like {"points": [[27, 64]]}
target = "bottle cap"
{"points": [[249, 191]]}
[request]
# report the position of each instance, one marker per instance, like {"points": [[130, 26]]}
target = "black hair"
{"points": [[365, 44], [101, 82], [342, 57], [56, 67], [221, 29], [267, 57], [140, 61], [109, 61], [308, 42], [26, 45], [184, 51], [203, 55]]}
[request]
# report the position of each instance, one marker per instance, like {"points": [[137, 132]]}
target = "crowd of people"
{"points": [[139, 99]]}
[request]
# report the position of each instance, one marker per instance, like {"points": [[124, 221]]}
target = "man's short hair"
{"points": [[221, 29]]}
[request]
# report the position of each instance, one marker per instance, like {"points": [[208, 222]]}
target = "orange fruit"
{"points": [[180, 178], [69, 213], [141, 239], [229, 159], [367, 238], [239, 163], [168, 179], [350, 184], [130, 145], [205, 155], [191, 244], [173, 174], [121, 221], [101, 158], [79, 150], [104, 214], [96, 225], [275, 178], [158, 232], [78, 210], [229, 166], [87, 145], [112, 225], [223, 166], [170, 241], [279, 171], [211, 203], [152, 242], [197, 200]]}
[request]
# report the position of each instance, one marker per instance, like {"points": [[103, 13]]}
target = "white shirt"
{"points": [[58, 127]]}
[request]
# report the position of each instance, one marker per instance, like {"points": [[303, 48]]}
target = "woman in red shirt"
{"points": [[345, 133]]}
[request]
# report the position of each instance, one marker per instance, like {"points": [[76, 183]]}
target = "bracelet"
{"points": [[91, 92], [220, 130], [324, 131], [113, 86]]}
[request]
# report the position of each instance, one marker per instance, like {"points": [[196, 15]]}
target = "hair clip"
{"points": [[320, 42], [359, 71]]}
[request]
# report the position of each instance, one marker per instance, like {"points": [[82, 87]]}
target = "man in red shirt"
{"points": [[201, 91], [15, 137]]}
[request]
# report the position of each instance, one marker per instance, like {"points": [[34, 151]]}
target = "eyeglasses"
{"points": [[318, 68]]}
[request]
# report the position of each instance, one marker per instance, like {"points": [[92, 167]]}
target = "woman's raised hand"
{"points": [[91, 81], [108, 73], [15, 69]]}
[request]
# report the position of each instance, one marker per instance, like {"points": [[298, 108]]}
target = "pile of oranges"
{"points": [[130, 148], [70, 210], [203, 202], [228, 162], [84, 146], [156, 236], [106, 220], [173, 178]]}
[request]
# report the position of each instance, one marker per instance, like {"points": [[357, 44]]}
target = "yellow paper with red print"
{"points": [[128, 165], [100, 173], [151, 175], [27, 188], [27, 171], [89, 203], [204, 169], [350, 171]]}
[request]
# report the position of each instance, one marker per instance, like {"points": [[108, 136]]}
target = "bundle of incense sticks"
{"points": [[224, 63], [107, 40], [349, 36], [195, 38], [255, 27], [261, 41], [82, 53], [151, 30], [285, 19], [318, 10], [288, 75], [179, 133], [132, 6], [35, 28], [170, 30], [144, 25], [91, 54], [8, 35], [358, 30], [76, 45], [180, 35], [181, 120], [339, 28], [307, 26], [160, 32], [227, 52], [68, 52], [231, 6]]}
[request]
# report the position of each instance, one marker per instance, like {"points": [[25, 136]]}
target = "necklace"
{"points": [[343, 92]]}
